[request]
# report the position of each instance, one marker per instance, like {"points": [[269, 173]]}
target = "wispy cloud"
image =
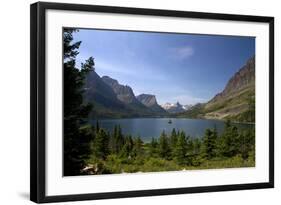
{"points": [[182, 52]]}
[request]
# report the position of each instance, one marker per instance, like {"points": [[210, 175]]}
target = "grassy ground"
{"points": [[115, 164]]}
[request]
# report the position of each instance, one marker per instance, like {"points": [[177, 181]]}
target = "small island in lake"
{"points": [[180, 106]]}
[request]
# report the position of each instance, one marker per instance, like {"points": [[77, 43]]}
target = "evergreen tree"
{"points": [[229, 141], [76, 137], [246, 143], [117, 141], [195, 154], [197, 146], [153, 148], [127, 149], [209, 142], [113, 141], [138, 147], [190, 145], [164, 149], [181, 149], [173, 138], [97, 126], [101, 145]]}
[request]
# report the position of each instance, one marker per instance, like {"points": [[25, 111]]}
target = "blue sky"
{"points": [[175, 67]]}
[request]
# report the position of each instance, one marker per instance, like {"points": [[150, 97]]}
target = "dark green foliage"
{"points": [[70, 49], [153, 148], [212, 151], [229, 141], [196, 146], [88, 65], [101, 144], [181, 149], [76, 138], [247, 142], [97, 126], [210, 143], [117, 140], [174, 138], [138, 147], [127, 149], [164, 148]]}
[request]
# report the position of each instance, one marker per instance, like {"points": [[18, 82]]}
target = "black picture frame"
{"points": [[38, 101]]}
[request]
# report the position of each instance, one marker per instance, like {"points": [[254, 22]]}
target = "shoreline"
{"points": [[166, 117]]}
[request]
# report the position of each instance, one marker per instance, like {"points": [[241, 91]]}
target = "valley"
{"points": [[113, 100]]}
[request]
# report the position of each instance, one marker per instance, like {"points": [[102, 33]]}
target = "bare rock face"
{"points": [[243, 79], [98, 91], [124, 92], [236, 101], [150, 101], [147, 99], [112, 99]]}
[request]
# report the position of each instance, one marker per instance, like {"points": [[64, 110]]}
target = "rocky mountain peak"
{"points": [[147, 99], [124, 92], [150, 101], [242, 79]]}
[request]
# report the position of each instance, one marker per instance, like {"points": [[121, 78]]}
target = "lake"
{"points": [[147, 128]]}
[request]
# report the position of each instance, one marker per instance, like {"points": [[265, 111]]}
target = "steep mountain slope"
{"points": [[102, 97], [150, 101], [113, 100], [126, 95], [235, 102], [124, 92]]}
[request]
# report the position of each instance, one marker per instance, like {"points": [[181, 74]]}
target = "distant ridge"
{"points": [[174, 107]]}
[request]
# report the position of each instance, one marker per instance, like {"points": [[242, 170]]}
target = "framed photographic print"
{"points": [[129, 102]]}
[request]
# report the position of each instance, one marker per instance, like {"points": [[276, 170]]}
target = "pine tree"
{"points": [[164, 149], [209, 142], [101, 145], [214, 140], [229, 141], [128, 146], [138, 147], [197, 146], [246, 143], [173, 138], [153, 148], [97, 126], [181, 149], [195, 154], [77, 146], [117, 140]]}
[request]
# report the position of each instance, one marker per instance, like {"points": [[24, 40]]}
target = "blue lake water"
{"points": [[147, 128]]}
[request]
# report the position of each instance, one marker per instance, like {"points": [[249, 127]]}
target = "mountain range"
{"points": [[175, 107], [114, 100]]}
